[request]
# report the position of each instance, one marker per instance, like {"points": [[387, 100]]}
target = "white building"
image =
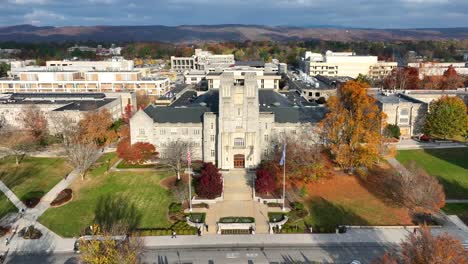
{"points": [[116, 75], [345, 64], [114, 64], [266, 79], [438, 68], [201, 60], [232, 126]]}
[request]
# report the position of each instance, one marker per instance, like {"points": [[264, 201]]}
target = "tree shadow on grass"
{"points": [[31, 199], [456, 156], [326, 216], [381, 183], [453, 189], [112, 211]]}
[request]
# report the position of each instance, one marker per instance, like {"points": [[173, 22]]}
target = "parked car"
{"points": [[425, 138]]}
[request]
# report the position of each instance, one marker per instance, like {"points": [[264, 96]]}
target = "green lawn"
{"points": [[450, 166], [139, 188], [459, 209], [6, 206], [34, 177]]}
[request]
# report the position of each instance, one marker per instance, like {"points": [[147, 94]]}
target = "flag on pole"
{"points": [[283, 156], [189, 157]]}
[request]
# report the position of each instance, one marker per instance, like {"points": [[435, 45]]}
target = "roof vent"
{"points": [[203, 104], [276, 104]]}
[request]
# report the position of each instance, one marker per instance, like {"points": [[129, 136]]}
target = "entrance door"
{"points": [[239, 161]]}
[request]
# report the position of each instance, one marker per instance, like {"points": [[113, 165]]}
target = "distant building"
{"points": [[114, 64], [114, 75], [266, 78], [438, 68], [408, 108], [82, 48], [57, 105], [345, 64], [201, 60]]}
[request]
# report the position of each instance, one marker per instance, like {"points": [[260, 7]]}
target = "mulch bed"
{"points": [[32, 202], [170, 182], [63, 197]]}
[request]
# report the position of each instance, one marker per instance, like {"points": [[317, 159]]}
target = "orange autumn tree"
{"points": [[352, 127], [95, 127]]}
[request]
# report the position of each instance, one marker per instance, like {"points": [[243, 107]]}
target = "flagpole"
{"points": [[284, 178], [189, 180]]}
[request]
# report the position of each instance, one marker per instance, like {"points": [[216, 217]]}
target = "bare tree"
{"points": [[175, 155], [66, 127], [2, 123], [421, 191], [81, 156], [34, 121], [18, 142]]}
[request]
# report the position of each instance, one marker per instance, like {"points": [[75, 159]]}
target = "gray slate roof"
{"points": [[190, 109]]}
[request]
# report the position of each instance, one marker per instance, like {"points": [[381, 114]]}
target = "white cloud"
{"points": [[29, 2], [40, 17]]}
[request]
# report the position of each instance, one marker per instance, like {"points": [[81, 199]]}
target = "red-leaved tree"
{"points": [[137, 153], [210, 183], [451, 79], [423, 247], [265, 183], [128, 113]]}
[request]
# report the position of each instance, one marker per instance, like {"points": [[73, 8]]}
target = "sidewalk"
{"points": [[49, 242], [413, 144], [11, 196]]}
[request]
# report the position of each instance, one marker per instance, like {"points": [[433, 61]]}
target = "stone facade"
{"points": [[232, 126]]}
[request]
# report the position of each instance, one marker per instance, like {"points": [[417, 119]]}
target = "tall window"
{"points": [[404, 116], [141, 131], [266, 137], [212, 153], [212, 138], [239, 142]]}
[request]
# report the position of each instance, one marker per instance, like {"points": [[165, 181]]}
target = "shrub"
{"points": [[274, 204], [175, 208], [265, 182], [4, 230], [63, 197], [30, 232], [210, 183], [392, 131]]}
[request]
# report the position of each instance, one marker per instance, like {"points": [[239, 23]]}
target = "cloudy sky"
{"points": [[351, 13]]}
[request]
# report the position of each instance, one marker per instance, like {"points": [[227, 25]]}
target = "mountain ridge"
{"points": [[220, 33]]}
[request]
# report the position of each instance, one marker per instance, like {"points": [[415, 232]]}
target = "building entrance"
{"points": [[239, 161]]}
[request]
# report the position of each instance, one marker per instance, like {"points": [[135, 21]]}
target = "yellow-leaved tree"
{"points": [[351, 129]]}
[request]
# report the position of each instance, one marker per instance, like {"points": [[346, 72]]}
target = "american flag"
{"points": [[189, 157]]}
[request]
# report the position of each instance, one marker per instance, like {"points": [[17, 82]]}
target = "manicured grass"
{"points": [[343, 200], [450, 166], [6, 206], [459, 209], [139, 188], [34, 177]]}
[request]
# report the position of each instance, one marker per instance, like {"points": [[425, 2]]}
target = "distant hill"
{"points": [[217, 33]]}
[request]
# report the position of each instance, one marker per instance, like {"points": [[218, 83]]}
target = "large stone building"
{"points": [[231, 126], [58, 105]]}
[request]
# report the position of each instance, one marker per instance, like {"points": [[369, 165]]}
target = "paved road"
{"points": [[325, 254]]}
